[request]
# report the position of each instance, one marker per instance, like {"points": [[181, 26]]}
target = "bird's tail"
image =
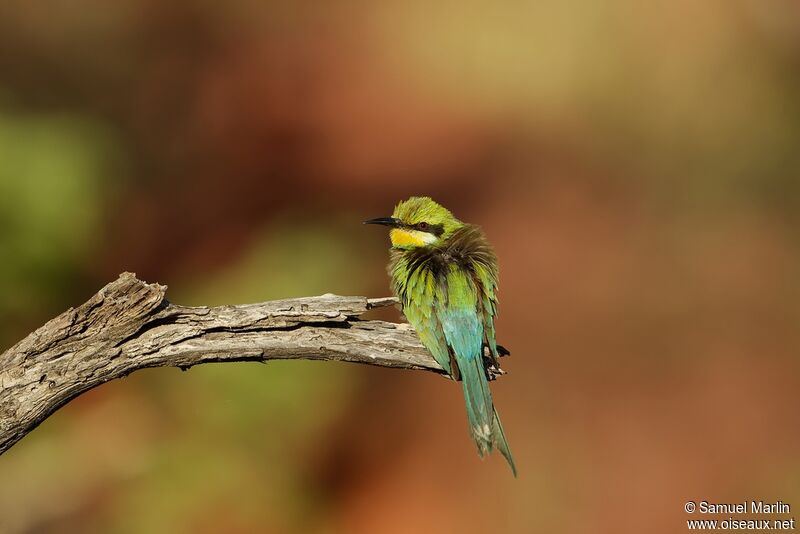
{"points": [[484, 423], [502, 444]]}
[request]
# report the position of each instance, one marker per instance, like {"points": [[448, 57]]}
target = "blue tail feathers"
{"points": [[484, 423]]}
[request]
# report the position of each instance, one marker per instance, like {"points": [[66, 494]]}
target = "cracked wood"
{"points": [[130, 325]]}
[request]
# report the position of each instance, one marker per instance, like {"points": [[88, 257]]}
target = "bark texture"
{"points": [[130, 325]]}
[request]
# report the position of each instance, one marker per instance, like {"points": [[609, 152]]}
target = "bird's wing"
{"points": [[486, 275], [419, 291]]}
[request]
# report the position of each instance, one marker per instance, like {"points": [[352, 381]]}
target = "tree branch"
{"points": [[130, 325]]}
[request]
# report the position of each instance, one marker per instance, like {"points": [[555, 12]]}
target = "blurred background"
{"points": [[636, 165]]}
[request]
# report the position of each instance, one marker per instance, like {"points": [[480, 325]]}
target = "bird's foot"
{"points": [[501, 351], [491, 364], [493, 371]]}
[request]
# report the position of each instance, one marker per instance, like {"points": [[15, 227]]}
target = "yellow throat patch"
{"points": [[406, 238]]}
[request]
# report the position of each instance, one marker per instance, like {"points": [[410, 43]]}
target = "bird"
{"points": [[444, 273]]}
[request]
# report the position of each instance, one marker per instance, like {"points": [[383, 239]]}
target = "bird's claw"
{"points": [[491, 363], [492, 372], [501, 351]]}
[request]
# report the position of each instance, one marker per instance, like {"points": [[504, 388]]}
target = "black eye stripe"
{"points": [[435, 229]]}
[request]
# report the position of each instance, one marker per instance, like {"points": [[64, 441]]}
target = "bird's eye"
{"points": [[422, 226]]}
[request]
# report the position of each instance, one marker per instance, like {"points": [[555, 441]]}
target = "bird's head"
{"points": [[419, 222]]}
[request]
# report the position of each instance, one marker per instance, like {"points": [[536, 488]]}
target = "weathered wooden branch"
{"points": [[129, 325]]}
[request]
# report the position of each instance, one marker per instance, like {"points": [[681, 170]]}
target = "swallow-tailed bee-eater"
{"points": [[444, 273]]}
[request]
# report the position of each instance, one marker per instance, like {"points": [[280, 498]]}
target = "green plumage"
{"points": [[445, 274]]}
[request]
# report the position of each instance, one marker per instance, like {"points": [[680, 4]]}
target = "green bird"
{"points": [[444, 273]]}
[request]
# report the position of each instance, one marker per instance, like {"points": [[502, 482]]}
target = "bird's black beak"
{"points": [[385, 221]]}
